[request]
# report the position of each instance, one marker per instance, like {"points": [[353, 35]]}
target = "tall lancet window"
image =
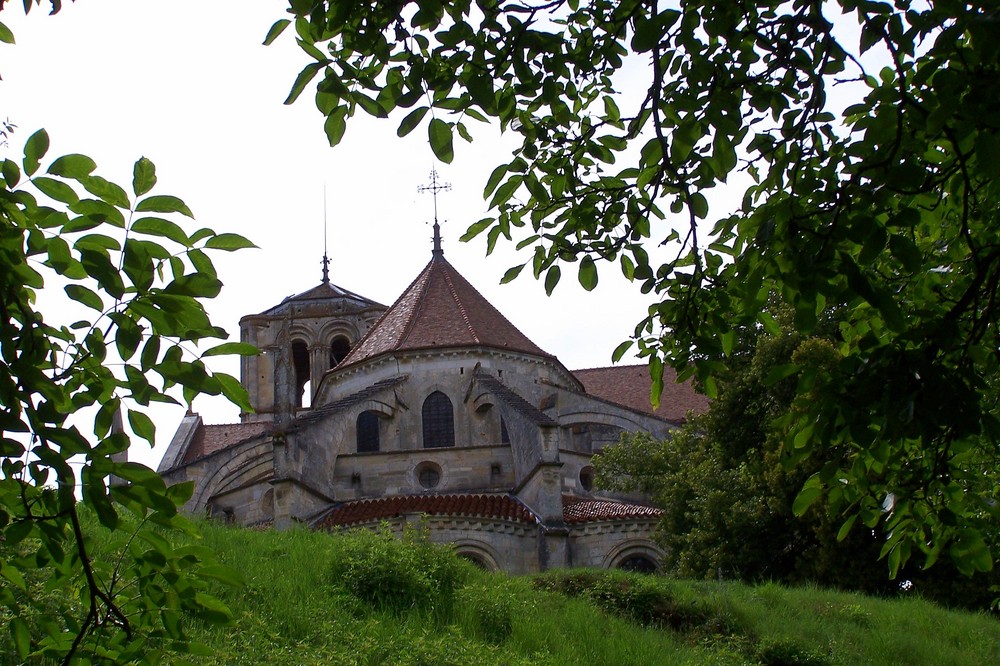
{"points": [[439, 421], [367, 432], [300, 361]]}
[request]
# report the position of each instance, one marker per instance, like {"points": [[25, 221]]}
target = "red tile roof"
{"points": [[503, 507], [629, 385], [440, 309], [209, 439], [587, 510], [576, 510]]}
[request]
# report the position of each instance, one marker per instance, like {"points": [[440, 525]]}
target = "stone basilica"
{"points": [[436, 411]]}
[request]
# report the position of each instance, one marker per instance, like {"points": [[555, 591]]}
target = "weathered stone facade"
{"points": [[440, 412]]}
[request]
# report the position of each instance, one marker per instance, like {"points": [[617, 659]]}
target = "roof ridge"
{"points": [[461, 305], [422, 289], [613, 366]]}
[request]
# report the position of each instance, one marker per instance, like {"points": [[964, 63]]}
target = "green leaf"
{"points": [[241, 348], [439, 133], [412, 119], [511, 274], [223, 574], [106, 191], [11, 173], [82, 294], [620, 350], [55, 189], [307, 74], [157, 226], [656, 380], [198, 285], [476, 229], [6, 36], [234, 391], [21, 634], [34, 150], [494, 180], [649, 32], [552, 279], [143, 426], [276, 29], [163, 203], [228, 242], [212, 610], [72, 166], [336, 125], [143, 176], [845, 529], [699, 205], [588, 273], [811, 491]]}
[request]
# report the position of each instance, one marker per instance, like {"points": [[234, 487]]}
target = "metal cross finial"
{"points": [[326, 268], [326, 259], [434, 188]]}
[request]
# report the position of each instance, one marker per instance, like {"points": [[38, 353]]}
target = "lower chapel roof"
{"points": [[576, 510], [629, 386]]}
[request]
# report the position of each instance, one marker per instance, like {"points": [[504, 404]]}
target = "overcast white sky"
{"points": [[188, 84]]}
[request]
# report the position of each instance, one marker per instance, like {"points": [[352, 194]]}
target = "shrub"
{"points": [[788, 653], [645, 600], [397, 574]]}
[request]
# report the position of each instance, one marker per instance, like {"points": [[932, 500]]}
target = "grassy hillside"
{"points": [[367, 599], [370, 599]]}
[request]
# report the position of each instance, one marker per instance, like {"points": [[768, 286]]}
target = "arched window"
{"points": [[340, 347], [638, 564], [367, 432], [439, 421], [300, 361], [504, 434]]}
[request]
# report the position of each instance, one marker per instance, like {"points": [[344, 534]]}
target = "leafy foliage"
{"points": [[871, 159], [131, 286], [732, 501], [398, 574]]}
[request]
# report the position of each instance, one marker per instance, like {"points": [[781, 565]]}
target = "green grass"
{"points": [[370, 599], [303, 604]]}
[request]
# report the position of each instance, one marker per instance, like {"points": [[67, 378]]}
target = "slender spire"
{"points": [[434, 188], [326, 259]]}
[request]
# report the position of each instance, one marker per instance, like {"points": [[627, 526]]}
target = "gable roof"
{"points": [[209, 439], [440, 309], [629, 386]]}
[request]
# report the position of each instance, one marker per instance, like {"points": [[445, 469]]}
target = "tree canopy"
{"points": [[728, 501], [101, 315], [868, 138]]}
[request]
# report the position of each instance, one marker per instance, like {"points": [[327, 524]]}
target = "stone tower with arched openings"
{"points": [[312, 332]]}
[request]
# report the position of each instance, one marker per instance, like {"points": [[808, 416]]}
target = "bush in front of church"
{"points": [[398, 574]]}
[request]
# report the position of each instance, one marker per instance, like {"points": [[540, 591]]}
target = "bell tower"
{"points": [[305, 336]]}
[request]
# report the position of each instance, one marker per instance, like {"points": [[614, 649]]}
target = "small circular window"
{"points": [[587, 478], [428, 475]]}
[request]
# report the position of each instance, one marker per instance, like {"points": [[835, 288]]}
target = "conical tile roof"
{"points": [[440, 309]]}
